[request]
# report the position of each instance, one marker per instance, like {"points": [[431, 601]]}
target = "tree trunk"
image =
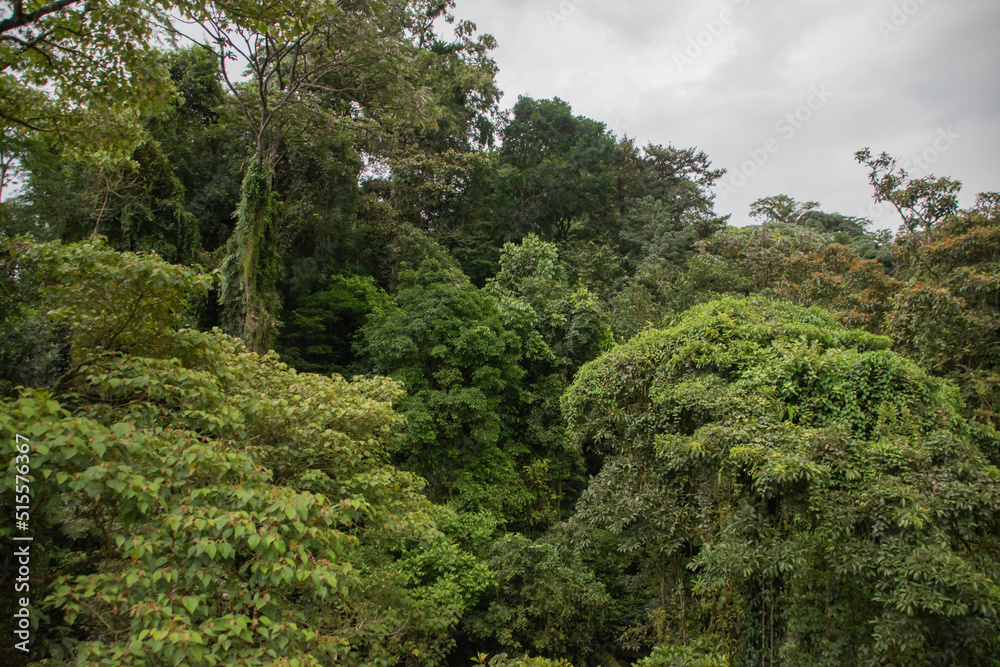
{"points": [[252, 267]]}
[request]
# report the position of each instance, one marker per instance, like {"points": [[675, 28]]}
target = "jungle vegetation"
{"points": [[335, 361]]}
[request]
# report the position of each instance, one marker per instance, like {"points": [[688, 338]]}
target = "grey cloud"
{"points": [[898, 69]]}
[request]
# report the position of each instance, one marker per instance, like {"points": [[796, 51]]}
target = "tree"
{"points": [[543, 602], [12, 146], [199, 504], [556, 163], [568, 321], [663, 203], [446, 342], [759, 252], [322, 329], [844, 229], [780, 208], [84, 74], [921, 203], [858, 290], [654, 229], [792, 490], [141, 207], [433, 160], [560, 328], [204, 142], [176, 195], [947, 312], [314, 65]]}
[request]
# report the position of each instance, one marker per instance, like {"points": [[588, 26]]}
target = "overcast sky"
{"points": [[781, 93]]}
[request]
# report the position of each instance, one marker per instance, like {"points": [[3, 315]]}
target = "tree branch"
{"points": [[18, 19]]}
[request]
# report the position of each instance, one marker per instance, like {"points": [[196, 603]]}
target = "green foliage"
{"points": [[79, 288], [175, 196], [13, 146], [83, 75], [251, 269], [504, 660], [386, 246], [793, 488], [445, 341], [567, 327], [319, 335], [784, 209], [138, 208], [205, 505], [758, 253], [787, 257], [556, 164], [770, 486], [318, 237], [781, 208], [662, 204], [434, 162], [595, 265], [705, 651], [203, 144], [320, 71], [560, 329], [30, 354], [948, 313], [462, 76], [655, 229], [544, 601], [660, 290]]}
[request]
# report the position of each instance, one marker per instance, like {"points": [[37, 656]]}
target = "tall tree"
{"points": [[561, 327], [780, 208], [785, 209], [947, 314], [556, 164], [313, 65], [921, 202], [176, 195], [662, 204]]}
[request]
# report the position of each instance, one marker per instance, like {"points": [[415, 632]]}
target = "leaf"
{"points": [[190, 603]]}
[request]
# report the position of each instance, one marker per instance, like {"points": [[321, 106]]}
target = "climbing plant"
{"points": [[792, 489]]}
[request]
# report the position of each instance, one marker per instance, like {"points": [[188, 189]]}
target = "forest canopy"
{"points": [[312, 354]]}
